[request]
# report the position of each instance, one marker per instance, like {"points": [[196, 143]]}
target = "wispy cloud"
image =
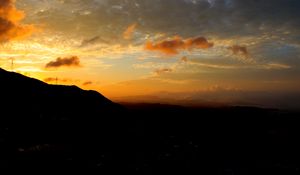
{"points": [[277, 66], [67, 81], [259, 66], [86, 83], [60, 80], [162, 71], [214, 66], [92, 41], [129, 31], [10, 18], [72, 61]]}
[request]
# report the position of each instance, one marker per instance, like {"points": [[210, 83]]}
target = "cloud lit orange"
{"points": [[198, 42], [129, 31], [10, 27], [177, 44], [72, 61]]}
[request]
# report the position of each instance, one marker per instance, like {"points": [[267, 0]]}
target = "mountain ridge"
{"points": [[32, 97]]}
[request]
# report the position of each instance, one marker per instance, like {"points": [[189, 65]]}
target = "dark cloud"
{"points": [[92, 41], [10, 27], [222, 18], [50, 79], [60, 80], [239, 50], [87, 83], [174, 46], [66, 80], [184, 17], [162, 71], [73, 61]]}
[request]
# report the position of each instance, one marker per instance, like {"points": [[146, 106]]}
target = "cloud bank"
{"points": [[10, 26]]}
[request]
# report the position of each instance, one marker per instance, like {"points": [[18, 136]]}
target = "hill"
{"points": [[22, 96], [42, 123]]}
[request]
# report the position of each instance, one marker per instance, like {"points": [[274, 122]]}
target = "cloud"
{"points": [[168, 47], [66, 80], [10, 27], [92, 41], [276, 66], [177, 44], [87, 83], [72, 61], [184, 59], [162, 71], [239, 50], [60, 80], [198, 43], [217, 18], [50, 79], [129, 31], [152, 65]]}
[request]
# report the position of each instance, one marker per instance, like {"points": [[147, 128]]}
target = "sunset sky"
{"points": [[128, 48]]}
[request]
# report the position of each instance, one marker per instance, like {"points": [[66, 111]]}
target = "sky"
{"points": [[178, 49]]}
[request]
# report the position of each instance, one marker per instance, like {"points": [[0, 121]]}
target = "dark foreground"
{"points": [[45, 127], [159, 139]]}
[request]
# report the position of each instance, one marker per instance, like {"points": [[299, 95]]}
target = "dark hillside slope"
{"points": [[22, 96], [49, 125]]}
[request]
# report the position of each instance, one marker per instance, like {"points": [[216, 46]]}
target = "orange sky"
{"points": [[123, 48]]}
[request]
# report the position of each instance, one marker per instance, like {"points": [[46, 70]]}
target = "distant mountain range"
{"points": [[219, 98]]}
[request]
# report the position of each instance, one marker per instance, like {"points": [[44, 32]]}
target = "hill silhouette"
{"points": [[22, 96], [37, 117], [52, 127]]}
